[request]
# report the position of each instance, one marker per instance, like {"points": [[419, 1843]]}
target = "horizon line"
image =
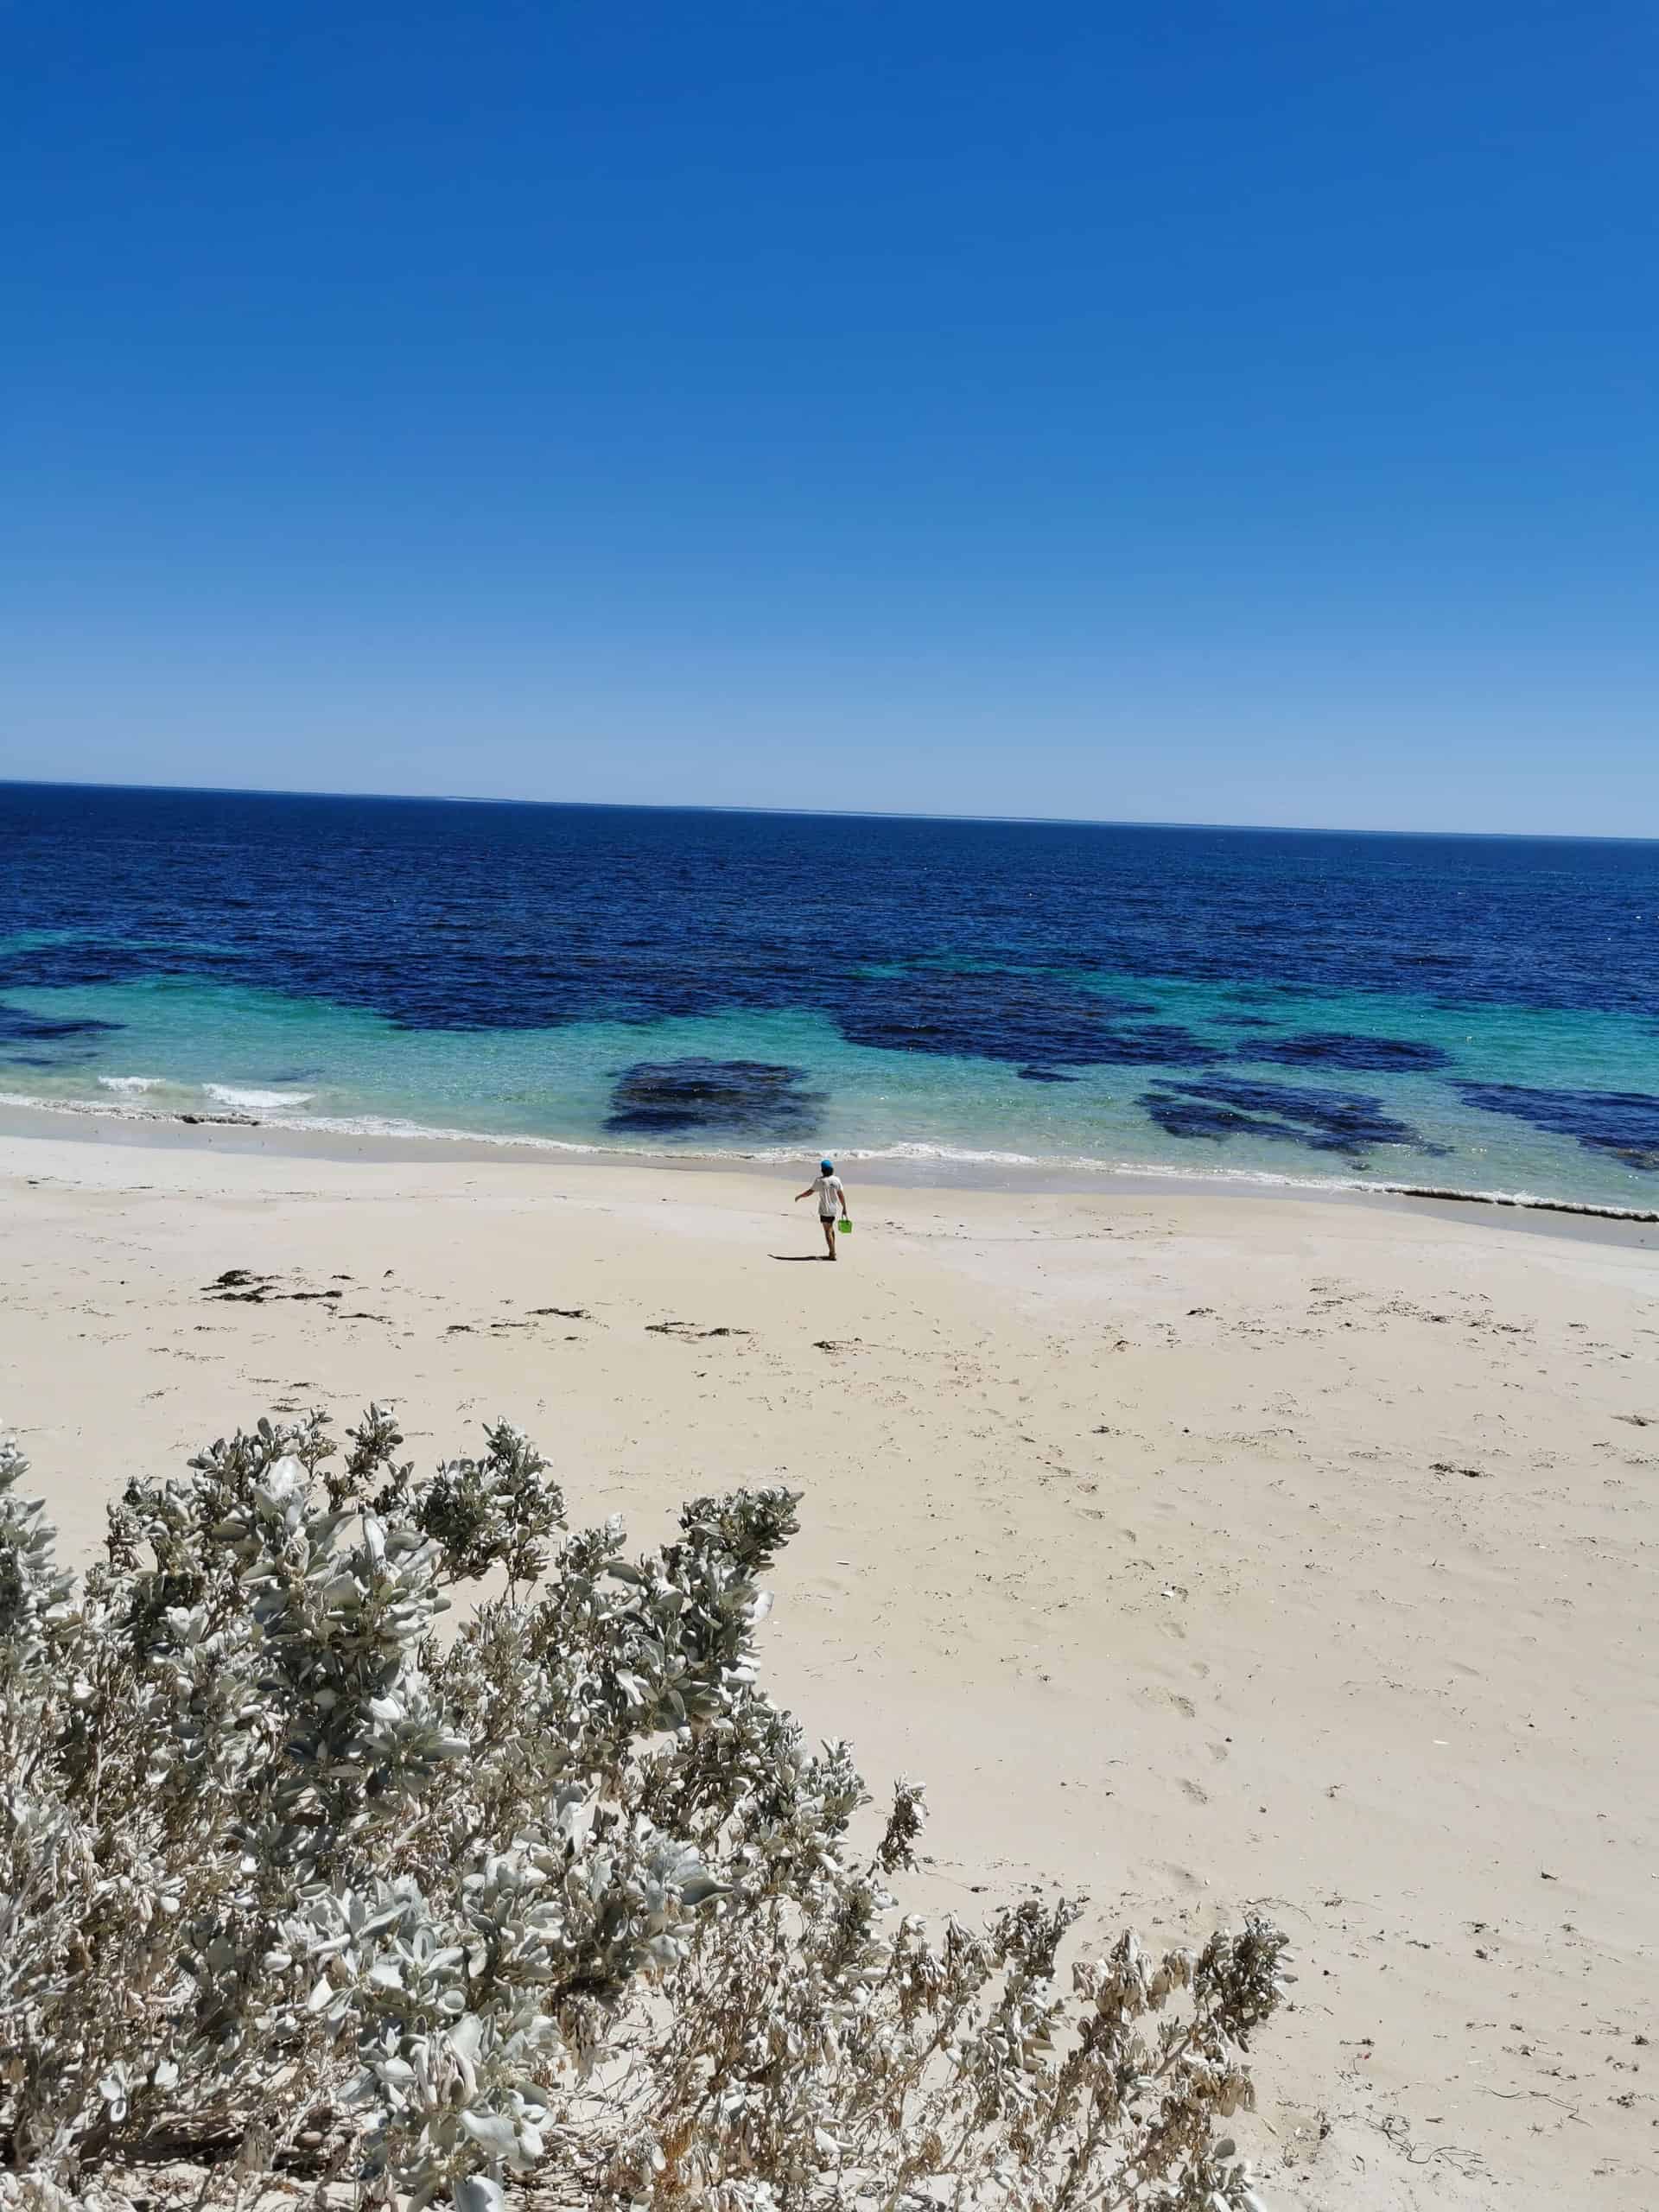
{"points": [[822, 814]]}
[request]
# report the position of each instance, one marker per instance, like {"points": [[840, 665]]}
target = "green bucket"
{"points": [[844, 1226]]}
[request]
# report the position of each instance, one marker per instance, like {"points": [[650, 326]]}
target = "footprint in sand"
{"points": [[1180, 1878], [1154, 1695]]}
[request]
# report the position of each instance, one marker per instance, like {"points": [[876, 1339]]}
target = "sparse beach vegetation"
{"points": [[299, 1893]]}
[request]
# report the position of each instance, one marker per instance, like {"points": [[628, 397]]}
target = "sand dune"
{"points": [[1196, 1550]]}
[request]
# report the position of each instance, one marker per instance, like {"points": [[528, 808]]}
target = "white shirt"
{"points": [[830, 1195]]}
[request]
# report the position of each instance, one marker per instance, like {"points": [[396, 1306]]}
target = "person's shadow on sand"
{"points": [[801, 1259]]}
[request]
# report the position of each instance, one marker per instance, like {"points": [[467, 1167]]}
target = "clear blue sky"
{"points": [[1214, 412]]}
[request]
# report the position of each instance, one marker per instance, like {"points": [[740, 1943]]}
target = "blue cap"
{"points": [[828, 1166]]}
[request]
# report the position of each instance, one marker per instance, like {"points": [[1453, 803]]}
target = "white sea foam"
{"points": [[256, 1102], [125, 1083], [106, 1109]]}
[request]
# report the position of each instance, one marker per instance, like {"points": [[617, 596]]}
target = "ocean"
{"points": [[975, 999]]}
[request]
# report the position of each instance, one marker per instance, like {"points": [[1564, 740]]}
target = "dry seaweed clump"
{"points": [[564, 1905]]}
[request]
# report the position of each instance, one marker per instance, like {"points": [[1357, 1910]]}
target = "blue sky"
{"points": [[1206, 412]]}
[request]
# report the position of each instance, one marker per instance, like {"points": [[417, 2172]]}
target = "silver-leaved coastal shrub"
{"points": [[563, 1903]]}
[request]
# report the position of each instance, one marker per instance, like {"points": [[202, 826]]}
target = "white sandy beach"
{"points": [[1196, 1550]]}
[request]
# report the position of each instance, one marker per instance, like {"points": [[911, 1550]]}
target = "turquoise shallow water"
{"points": [[183, 1046], [1467, 1015]]}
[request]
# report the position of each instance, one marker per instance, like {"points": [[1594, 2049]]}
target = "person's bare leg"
{"points": [[827, 1222]]}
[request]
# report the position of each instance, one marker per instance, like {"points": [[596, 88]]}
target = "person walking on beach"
{"points": [[827, 1184]]}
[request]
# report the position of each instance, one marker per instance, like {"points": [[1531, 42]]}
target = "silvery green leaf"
{"points": [[492, 2132]]}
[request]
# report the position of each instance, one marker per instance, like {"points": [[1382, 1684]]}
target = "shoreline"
{"points": [[231, 1134]]}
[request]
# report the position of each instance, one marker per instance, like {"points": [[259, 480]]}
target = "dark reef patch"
{"points": [[1621, 1125], [17, 1027], [1342, 1121], [737, 1097], [76, 962], [1034, 1020], [1045, 1074], [1157, 1044], [1333, 1048], [1031, 1019], [67, 1044]]}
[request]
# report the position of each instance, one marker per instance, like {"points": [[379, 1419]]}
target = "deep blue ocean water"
{"points": [[1463, 1013]]}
